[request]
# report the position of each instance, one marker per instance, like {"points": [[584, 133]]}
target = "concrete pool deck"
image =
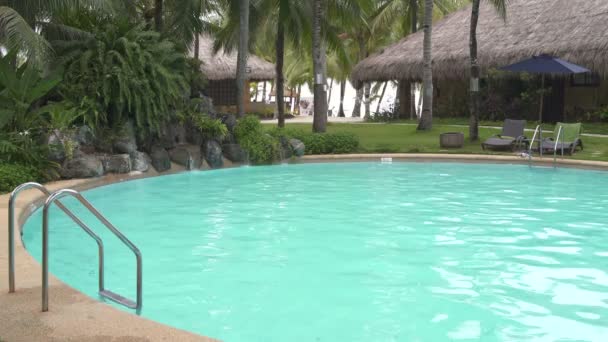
{"points": [[73, 316]]}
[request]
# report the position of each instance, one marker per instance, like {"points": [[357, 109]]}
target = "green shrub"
{"points": [[125, 71], [262, 148], [321, 143], [211, 129], [13, 175]]}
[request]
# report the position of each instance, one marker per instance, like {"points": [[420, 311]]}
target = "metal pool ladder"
{"points": [[560, 135], [54, 198], [538, 132]]}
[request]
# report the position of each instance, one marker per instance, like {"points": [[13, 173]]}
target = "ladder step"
{"points": [[118, 299]]}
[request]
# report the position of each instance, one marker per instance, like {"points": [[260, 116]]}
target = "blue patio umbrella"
{"points": [[545, 64]]}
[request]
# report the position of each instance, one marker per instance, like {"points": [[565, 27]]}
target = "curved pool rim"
{"points": [[140, 326]]}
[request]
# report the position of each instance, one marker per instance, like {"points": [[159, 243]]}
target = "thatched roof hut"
{"points": [[576, 30], [222, 66]]}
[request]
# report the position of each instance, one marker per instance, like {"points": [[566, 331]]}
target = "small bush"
{"points": [[261, 147], [13, 175], [321, 143], [211, 129]]}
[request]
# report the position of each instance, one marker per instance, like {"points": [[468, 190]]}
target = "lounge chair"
{"points": [[569, 140], [512, 136]]}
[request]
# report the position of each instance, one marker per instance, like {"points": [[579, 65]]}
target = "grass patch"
{"points": [[394, 138], [589, 127]]}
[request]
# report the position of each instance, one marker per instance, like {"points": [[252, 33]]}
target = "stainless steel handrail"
{"points": [[11, 232], [45, 252], [559, 135], [537, 132]]}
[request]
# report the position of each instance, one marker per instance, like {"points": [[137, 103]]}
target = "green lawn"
{"points": [[393, 138], [591, 128]]}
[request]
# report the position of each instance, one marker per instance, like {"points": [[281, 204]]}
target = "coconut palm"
{"points": [[319, 69], [426, 119], [241, 67], [21, 21], [287, 21], [390, 14], [501, 7]]}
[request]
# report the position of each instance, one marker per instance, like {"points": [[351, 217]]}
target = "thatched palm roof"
{"points": [[222, 66], [575, 30]]}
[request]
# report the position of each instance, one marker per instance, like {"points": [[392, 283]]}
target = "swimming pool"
{"points": [[354, 251]]}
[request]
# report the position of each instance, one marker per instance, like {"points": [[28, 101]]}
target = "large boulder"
{"points": [[85, 166], [285, 148], [297, 147], [235, 153], [230, 121], [172, 134], [125, 142], [57, 152], [187, 155], [85, 136], [213, 154], [160, 158], [117, 163], [139, 161], [204, 105]]}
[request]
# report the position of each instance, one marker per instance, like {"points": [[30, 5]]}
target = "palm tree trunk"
{"points": [[241, 66], [319, 69], [367, 93], [197, 44], [331, 87], [404, 98], [359, 98], [298, 96], [413, 29], [158, 15], [426, 119], [342, 94], [474, 91], [264, 93], [381, 97], [413, 16], [280, 88]]}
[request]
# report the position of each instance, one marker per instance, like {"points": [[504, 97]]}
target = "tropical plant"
{"points": [[24, 23], [13, 175], [390, 14], [285, 21], [130, 72], [20, 91], [261, 147], [211, 129]]}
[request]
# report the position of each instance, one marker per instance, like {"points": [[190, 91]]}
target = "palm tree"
{"points": [[319, 69], [22, 20], [390, 14], [283, 20], [158, 15], [241, 67], [474, 100], [426, 119]]}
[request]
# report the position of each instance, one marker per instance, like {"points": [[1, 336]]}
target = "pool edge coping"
{"points": [[21, 312], [137, 327]]}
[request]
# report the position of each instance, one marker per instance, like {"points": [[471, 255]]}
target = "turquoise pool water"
{"points": [[355, 251]]}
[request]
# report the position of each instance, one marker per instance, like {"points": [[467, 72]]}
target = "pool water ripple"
{"points": [[355, 251]]}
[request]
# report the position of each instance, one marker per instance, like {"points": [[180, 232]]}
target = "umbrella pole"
{"points": [[542, 98]]}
